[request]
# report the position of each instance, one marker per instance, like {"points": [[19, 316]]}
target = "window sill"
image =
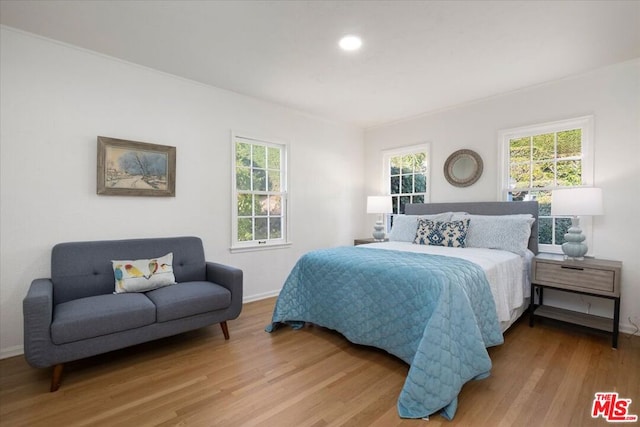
{"points": [[550, 250], [558, 251], [253, 248]]}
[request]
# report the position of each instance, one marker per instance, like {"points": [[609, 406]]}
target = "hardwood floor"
{"points": [[542, 376]]}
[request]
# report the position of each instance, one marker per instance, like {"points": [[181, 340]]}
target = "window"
{"points": [[259, 188], [537, 159], [405, 176]]}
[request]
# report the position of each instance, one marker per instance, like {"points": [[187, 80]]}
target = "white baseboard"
{"points": [[16, 350], [628, 328], [259, 297]]}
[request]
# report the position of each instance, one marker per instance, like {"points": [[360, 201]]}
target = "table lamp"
{"points": [[576, 202], [379, 205]]}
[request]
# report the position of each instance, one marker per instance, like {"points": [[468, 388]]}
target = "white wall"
{"points": [[611, 94], [57, 99]]}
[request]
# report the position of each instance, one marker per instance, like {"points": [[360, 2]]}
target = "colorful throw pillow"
{"points": [[404, 226], [143, 274], [451, 234]]}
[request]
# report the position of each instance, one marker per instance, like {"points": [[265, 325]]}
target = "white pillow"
{"points": [[405, 226], [143, 275], [506, 232]]}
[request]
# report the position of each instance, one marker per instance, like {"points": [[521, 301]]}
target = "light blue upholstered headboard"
{"points": [[483, 208]]}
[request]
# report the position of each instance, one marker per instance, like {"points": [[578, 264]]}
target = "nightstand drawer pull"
{"points": [[572, 268]]}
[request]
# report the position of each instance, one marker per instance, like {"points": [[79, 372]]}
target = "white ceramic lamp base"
{"points": [[378, 231], [573, 247]]}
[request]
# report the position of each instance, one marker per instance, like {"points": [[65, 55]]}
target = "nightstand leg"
{"points": [[532, 306], [616, 322]]}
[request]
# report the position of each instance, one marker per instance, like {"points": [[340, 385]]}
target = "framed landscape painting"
{"points": [[130, 168]]}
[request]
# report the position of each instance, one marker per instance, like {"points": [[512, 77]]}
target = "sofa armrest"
{"points": [[230, 278], [37, 312]]}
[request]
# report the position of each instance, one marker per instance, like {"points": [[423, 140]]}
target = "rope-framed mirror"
{"points": [[463, 168]]}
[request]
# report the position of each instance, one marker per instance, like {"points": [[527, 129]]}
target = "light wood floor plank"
{"points": [[541, 376]]}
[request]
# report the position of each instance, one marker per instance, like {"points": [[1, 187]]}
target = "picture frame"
{"points": [[132, 168]]}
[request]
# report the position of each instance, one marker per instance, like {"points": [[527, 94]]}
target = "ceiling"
{"points": [[417, 56]]}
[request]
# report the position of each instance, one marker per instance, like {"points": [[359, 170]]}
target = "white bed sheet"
{"points": [[507, 273]]}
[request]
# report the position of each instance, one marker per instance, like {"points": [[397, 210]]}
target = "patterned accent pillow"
{"points": [[405, 226], [435, 233], [143, 275]]}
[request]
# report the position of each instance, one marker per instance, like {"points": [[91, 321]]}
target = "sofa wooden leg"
{"points": [[56, 378], [225, 330]]}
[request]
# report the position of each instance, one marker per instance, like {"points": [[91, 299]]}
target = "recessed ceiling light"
{"points": [[350, 43]]}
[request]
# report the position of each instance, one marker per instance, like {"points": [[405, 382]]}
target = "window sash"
{"points": [[400, 198], [414, 176], [259, 189], [534, 188]]}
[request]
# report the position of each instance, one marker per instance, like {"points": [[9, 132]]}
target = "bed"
{"points": [[436, 308]]}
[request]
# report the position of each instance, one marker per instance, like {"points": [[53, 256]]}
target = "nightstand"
{"points": [[595, 277], [357, 242]]}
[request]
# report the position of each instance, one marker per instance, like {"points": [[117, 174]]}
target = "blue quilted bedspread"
{"points": [[435, 313]]}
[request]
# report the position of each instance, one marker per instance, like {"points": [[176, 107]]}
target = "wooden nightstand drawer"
{"points": [[577, 277]]}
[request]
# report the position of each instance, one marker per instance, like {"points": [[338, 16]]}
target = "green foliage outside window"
{"points": [[408, 180], [258, 186], [539, 163]]}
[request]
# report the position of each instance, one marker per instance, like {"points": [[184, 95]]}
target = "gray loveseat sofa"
{"points": [[76, 314]]}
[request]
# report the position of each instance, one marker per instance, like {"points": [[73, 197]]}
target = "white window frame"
{"points": [[585, 124], [262, 244], [424, 147]]}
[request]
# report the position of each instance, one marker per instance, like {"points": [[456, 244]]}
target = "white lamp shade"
{"points": [[578, 201], [379, 204]]}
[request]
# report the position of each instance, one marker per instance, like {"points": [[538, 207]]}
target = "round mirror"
{"points": [[463, 168]]}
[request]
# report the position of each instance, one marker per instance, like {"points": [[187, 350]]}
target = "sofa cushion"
{"points": [[187, 299], [100, 315]]}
